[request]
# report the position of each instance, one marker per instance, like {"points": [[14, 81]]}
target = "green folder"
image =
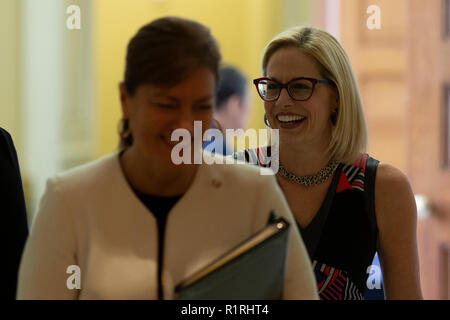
{"points": [[253, 270]]}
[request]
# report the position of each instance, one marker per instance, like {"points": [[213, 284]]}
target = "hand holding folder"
{"points": [[253, 270]]}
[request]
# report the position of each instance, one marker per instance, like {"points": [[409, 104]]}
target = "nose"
{"points": [[284, 99], [185, 120]]}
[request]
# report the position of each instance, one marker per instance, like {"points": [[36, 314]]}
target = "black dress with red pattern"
{"points": [[341, 238]]}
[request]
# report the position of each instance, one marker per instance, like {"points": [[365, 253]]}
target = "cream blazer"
{"points": [[90, 217]]}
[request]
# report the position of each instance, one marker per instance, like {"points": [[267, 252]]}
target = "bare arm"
{"points": [[397, 242]]}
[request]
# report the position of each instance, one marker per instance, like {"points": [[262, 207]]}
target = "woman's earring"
{"points": [[126, 138], [124, 129], [266, 121]]}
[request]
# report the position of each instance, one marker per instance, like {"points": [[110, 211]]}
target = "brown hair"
{"points": [[164, 52]]}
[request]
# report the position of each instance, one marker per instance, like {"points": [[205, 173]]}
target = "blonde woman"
{"points": [[347, 205]]}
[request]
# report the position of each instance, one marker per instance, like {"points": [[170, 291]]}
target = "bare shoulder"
{"points": [[394, 198], [389, 179]]}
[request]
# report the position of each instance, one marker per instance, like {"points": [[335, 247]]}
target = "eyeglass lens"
{"points": [[299, 89]]}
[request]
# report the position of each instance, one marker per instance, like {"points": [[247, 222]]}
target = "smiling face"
{"points": [[300, 122], [155, 112]]}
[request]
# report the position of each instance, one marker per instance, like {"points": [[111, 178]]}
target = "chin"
{"points": [[292, 138]]}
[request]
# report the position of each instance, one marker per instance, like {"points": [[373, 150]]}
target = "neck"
{"points": [[303, 159], [147, 177]]}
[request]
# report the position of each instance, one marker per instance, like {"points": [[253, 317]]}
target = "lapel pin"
{"points": [[216, 183]]}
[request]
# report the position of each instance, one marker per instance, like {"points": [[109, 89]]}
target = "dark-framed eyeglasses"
{"points": [[299, 89]]}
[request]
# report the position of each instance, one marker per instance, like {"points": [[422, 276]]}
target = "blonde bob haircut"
{"points": [[349, 134]]}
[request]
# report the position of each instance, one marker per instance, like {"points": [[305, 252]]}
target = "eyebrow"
{"points": [[175, 99], [273, 78], [206, 98]]}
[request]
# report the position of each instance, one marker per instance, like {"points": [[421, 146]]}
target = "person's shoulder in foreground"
{"points": [[259, 185], [69, 194], [14, 210], [55, 233]]}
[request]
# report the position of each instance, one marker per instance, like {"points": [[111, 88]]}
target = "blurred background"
{"points": [[60, 100]]}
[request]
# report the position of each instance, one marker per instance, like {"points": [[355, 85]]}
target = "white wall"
{"points": [[56, 91]]}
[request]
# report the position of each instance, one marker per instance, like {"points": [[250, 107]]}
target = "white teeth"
{"points": [[288, 118]]}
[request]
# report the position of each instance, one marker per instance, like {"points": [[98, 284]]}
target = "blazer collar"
{"points": [[207, 178]]}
